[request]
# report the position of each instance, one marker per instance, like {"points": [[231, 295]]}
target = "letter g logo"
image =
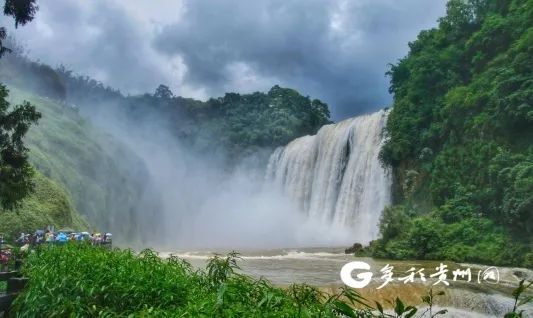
{"points": [[364, 278]]}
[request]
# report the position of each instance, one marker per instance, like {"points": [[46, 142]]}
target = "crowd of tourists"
{"points": [[27, 240], [40, 237]]}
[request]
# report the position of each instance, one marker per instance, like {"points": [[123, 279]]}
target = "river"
{"points": [[321, 267]]}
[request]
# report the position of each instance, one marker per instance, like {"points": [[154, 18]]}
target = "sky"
{"points": [[334, 50]]}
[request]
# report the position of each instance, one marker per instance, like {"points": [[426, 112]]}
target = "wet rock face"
{"points": [[523, 274], [357, 247], [519, 274]]}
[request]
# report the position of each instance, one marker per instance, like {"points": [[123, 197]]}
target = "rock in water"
{"points": [[357, 247]]}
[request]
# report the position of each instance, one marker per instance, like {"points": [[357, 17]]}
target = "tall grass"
{"points": [[84, 281]]}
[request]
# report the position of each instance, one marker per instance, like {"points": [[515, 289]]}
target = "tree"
{"points": [[462, 125], [15, 170], [23, 11], [163, 92]]}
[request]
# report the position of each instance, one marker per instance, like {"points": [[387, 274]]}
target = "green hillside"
{"points": [[460, 134], [83, 163], [50, 204]]}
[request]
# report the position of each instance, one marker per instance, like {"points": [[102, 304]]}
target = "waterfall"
{"points": [[335, 176]]}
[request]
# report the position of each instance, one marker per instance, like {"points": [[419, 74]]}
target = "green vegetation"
{"points": [[15, 171], [102, 178], [79, 280], [234, 123], [460, 138], [106, 181], [48, 204], [520, 299], [22, 11], [258, 120], [84, 281]]}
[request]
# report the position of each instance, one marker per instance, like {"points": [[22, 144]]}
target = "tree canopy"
{"points": [[234, 122], [23, 11]]}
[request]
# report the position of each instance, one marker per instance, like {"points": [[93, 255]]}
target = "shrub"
{"points": [[78, 280]]}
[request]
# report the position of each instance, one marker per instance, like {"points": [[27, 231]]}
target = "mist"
{"points": [[197, 201], [189, 196]]}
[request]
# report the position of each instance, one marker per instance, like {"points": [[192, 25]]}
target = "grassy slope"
{"points": [[73, 153], [48, 205]]}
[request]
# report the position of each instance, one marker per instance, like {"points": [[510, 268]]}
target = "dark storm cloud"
{"points": [[334, 50], [93, 38]]}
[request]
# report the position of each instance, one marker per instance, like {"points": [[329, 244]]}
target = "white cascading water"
{"points": [[335, 176]]}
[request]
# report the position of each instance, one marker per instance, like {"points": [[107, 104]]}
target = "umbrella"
{"points": [[66, 230], [39, 232], [85, 233], [61, 237]]}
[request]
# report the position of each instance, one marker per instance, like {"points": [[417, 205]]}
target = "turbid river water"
{"points": [[321, 267]]}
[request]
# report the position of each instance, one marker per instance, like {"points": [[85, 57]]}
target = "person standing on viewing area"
{"points": [[39, 237], [21, 239], [25, 248], [5, 255], [49, 237], [62, 238]]}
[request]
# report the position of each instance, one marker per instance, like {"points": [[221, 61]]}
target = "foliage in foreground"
{"points": [[79, 280], [460, 135], [15, 171], [520, 299]]}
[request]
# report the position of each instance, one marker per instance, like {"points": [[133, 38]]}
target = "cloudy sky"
{"points": [[335, 50]]}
